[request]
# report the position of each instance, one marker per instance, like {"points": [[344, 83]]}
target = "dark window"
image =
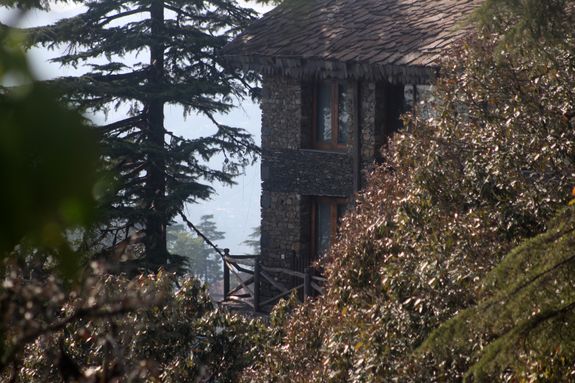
{"points": [[326, 215], [389, 105], [419, 99], [332, 115], [324, 226], [393, 100]]}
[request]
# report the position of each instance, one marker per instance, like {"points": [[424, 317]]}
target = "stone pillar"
{"points": [[367, 126], [281, 130]]}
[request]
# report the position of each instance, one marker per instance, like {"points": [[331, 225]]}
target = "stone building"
{"points": [[337, 74]]}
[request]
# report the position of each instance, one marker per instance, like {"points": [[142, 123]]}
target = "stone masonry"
{"points": [[281, 118], [293, 174]]}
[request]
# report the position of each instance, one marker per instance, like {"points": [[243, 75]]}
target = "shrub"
{"points": [[522, 329], [110, 327]]}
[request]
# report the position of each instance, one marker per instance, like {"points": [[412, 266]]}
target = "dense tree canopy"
{"points": [[522, 328], [100, 327], [111, 328]]}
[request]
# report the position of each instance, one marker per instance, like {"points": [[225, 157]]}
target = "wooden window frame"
{"points": [[334, 203], [333, 145]]}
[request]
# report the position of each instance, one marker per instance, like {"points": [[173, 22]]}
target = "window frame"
{"points": [[334, 203], [333, 144]]}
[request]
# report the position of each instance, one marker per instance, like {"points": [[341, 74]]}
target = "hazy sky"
{"points": [[236, 209]]}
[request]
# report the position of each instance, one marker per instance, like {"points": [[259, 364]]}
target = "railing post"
{"points": [[307, 291], [226, 274], [257, 270]]}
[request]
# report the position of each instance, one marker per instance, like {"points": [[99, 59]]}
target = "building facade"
{"points": [[337, 75]]}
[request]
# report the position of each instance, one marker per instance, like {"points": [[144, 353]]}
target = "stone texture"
{"points": [[294, 175], [308, 172], [367, 128], [280, 232], [281, 113], [282, 119]]}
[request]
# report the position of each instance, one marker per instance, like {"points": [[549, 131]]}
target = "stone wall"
{"points": [[308, 172], [367, 125], [293, 174], [280, 207], [280, 232], [281, 113]]}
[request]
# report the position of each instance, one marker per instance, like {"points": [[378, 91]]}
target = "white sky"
{"points": [[236, 210]]}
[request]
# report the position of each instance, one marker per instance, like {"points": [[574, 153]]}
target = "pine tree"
{"points": [[141, 56], [202, 260], [210, 263], [254, 240]]}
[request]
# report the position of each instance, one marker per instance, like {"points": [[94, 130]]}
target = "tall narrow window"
{"points": [[332, 115], [324, 226], [324, 112], [326, 216]]}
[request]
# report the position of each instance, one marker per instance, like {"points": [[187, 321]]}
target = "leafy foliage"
{"points": [[102, 327], [48, 162], [522, 329], [527, 19], [48, 169], [426, 245], [115, 328], [457, 193]]}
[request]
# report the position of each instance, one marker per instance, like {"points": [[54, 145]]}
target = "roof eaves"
{"points": [[318, 68]]}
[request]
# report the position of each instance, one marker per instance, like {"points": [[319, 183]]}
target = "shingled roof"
{"points": [[397, 40]]}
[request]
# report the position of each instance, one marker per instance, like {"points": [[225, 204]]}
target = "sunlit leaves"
{"points": [[143, 329], [522, 329]]}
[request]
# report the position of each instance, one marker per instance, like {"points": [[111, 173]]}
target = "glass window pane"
{"points": [[409, 97], [425, 101], [323, 232], [323, 129], [344, 118], [341, 209]]}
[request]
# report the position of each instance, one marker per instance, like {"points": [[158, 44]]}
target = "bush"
{"points": [[522, 329], [110, 327]]}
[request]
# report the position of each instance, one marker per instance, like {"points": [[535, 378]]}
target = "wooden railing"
{"points": [[236, 264], [250, 287]]}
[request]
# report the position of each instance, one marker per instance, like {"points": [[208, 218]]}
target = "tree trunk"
{"points": [[156, 249]]}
